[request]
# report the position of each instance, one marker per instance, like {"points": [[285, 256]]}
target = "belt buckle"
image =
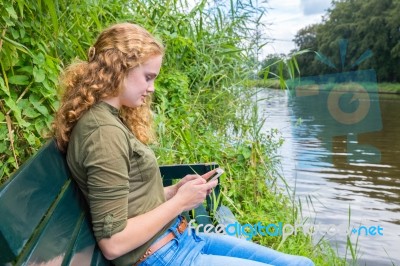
{"points": [[182, 225]]}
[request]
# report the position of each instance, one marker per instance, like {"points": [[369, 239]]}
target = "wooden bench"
{"points": [[44, 218]]}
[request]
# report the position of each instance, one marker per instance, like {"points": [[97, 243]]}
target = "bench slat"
{"points": [[58, 235], [27, 197], [98, 259], [82, 252]]}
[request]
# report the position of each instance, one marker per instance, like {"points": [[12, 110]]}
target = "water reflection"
{"points": [[354, 174]]}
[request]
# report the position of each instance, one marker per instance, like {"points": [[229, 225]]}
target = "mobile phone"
{"points": [[217, 173]]}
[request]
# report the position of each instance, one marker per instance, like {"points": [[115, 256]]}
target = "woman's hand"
{"points": [[207, 176], [193, 192], [186, 179], [172, 190]]}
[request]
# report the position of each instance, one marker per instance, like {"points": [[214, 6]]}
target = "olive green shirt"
{"points": [[118, 175]]}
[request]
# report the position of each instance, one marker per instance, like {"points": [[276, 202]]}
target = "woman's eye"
{"points": [[150, 77]]}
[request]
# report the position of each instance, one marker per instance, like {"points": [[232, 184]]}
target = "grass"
{"points": [[384, 87], [263, 83]]}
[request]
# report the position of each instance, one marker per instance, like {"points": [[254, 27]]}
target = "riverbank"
{"points": [[384, 87]]}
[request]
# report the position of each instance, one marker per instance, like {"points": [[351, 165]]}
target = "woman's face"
{"points": [[140, 82]]}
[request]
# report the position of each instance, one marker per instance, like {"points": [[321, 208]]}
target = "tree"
{"points": [[366, 25]]}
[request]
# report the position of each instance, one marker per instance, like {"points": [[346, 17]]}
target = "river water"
{"points": [[343, 172]]}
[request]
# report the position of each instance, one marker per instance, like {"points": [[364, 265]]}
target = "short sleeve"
{"points": [[106, 161]]}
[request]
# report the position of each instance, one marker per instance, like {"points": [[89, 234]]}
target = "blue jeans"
{"points": [[201, 249]]}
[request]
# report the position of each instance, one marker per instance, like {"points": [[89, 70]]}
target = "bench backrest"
{"points": [[44, 217]]}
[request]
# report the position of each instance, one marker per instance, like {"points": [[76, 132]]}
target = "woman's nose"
{"points": [[150, 88]]}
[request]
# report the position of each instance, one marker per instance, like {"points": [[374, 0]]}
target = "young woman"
{"points": [[103, 124]]}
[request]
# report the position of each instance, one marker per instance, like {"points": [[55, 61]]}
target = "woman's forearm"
{"points": [[142, 228], [139, 230]]}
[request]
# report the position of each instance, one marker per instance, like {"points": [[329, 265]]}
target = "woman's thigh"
{"points": [[219, 250], [218, 245], [215, 260]]}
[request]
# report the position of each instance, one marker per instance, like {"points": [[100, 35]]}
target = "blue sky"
{"points": [[286, 17]]}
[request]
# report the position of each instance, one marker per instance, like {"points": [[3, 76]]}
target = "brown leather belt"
{"points": [[162, 242]]}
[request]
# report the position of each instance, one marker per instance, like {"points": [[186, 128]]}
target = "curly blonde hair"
{"points": [[118, 49]]}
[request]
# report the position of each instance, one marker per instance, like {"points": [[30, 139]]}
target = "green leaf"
{"points": [[3, 87], [246, 153], [9, 23], [39, 74], [23, 103], [14, 33], [19, 80], [53, 13], [11, 12], [47, 91], [26, 69], [22, 32], [30, 112], [31, 138], [3, 147], [38, 59], [12, 105], [35, 101], [21, 7], [17, 112], [2, 117], [41, 126], [55, 105], [17, 45]]}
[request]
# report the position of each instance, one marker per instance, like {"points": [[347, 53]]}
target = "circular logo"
{"points": [[359, 94]]}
